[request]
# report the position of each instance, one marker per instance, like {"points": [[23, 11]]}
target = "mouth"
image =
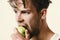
{"points": [[23, 25], [27, 28]]}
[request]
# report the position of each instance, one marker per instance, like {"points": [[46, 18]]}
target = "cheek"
{"points": [[33, 21], [28, 18]]}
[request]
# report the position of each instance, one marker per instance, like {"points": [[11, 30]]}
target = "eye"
{"points": [[25, 12], [15, 11]]}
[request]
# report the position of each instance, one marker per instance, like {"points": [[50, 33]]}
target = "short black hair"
{"points": [[38, 4]]}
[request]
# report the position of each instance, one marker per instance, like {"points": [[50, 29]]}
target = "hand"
{"points": [[16, 35]]}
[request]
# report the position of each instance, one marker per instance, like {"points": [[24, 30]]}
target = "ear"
{"points": [[43, 12]]}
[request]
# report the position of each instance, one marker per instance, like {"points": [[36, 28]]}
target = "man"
{"points": [[31, 14]]}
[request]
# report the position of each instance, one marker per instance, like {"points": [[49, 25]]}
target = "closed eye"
{"points": [[25, 11], [15, 11]]}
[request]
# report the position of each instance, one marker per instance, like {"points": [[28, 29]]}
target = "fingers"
{"points": [[27, 35], [17, 36]]}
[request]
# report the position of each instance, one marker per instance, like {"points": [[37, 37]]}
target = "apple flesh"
{"points": [[21, 30]]}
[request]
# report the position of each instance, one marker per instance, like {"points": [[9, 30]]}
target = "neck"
{"points": [[45, 33]]}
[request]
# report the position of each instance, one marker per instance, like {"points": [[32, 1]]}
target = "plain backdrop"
{"points": [[8, 22]]}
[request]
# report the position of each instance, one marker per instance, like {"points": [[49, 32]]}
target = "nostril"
{"points": [[21, 20]]}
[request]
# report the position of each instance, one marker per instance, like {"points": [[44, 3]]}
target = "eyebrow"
{"points": [[26, 9]]}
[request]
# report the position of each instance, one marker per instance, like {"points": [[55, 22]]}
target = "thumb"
{"points": [[27, 35]]}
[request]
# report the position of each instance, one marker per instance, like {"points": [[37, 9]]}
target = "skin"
{"points": [[35, 22]]}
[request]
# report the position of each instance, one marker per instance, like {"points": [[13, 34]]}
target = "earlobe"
{"points": [[43, 12]]}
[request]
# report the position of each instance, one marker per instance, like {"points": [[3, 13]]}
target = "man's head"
{"points": [[39, 4], [30, 13]]}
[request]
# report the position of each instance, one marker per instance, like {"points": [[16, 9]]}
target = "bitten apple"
{"points": [[21, 30]]}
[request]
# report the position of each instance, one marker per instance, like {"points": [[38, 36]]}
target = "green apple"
{"points": [[21, 30]]}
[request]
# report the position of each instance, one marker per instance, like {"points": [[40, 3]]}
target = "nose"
{"points": [[20, 18]]}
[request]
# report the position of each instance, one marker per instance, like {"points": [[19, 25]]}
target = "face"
{"points": [[27, 16]]}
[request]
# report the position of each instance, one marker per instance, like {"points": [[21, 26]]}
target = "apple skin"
{"points": [[21, 30]]}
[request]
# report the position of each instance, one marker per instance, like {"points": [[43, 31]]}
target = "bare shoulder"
{"points": [[56, 37]]}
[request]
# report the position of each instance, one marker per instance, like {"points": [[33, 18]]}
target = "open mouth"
{"points": [[25, 26]]}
